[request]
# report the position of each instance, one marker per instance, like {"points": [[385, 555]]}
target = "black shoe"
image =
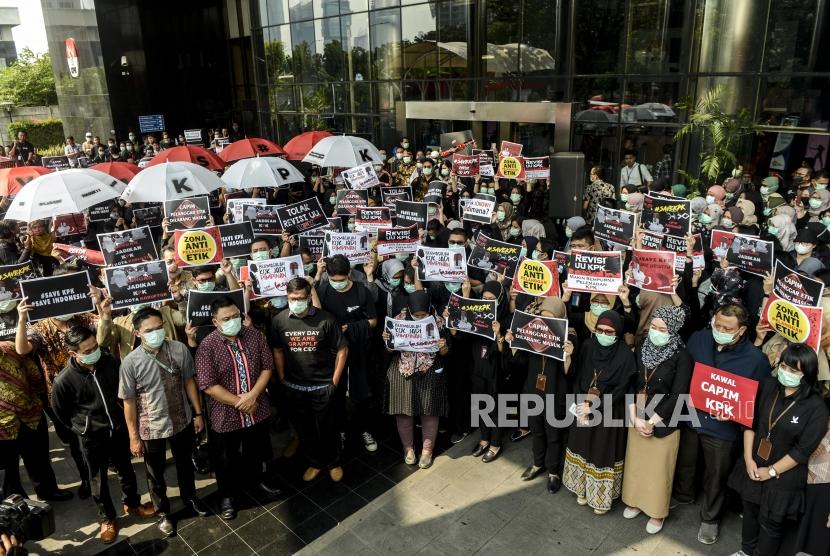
{"points": [[84, 491], [228, 512], [165, 525], [456, 438], [198, 507], [531, 473], [58, 495], [271, 492], [519, 434], [490, 456], [479, 450], [554, 483]]}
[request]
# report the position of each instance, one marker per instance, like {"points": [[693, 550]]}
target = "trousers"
{"points": [[719, 458], [155, 460], [99, 449]]}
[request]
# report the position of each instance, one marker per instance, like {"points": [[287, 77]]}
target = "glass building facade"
{"points": [[355, 66]]}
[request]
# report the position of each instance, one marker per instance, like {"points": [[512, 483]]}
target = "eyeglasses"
{"points": [[606, 331]]}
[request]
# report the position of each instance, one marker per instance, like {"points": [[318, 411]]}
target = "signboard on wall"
{"points": [[72, 57], [151, 123]]}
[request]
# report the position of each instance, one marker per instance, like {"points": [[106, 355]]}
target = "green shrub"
{"points": [[51, 150], [41, 132]]}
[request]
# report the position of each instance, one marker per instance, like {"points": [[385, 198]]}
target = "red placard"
{"points": [[720, 392]]}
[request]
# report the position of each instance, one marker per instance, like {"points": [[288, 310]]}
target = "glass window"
{"points": [[540, 53], [301, 9], [544, 89], [600, 146], [419, 46], [355, 29], [598, 36], [385, 27], [326, 8], [596, 105], [278, 53], [738, 93], [376, 4], [730, 40], [795, 101], [790, 39], [263, 12], [304, 51], [422, 89], [651, 100], [277, 12], [500, 55], [361, 96], [349, 6], [389, 94], [331, 57], [456, 89]]}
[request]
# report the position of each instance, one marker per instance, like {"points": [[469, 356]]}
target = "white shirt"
{"points": [[71, 152], [632, 175]]}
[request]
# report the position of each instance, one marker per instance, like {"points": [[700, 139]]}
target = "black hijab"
{"points": [[417, 301], [614, 364]]}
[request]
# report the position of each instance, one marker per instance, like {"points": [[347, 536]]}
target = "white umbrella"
{"points": [[261, 172], [66, 192], [342, 151], [171, 180]]}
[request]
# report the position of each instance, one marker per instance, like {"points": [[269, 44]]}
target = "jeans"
{"points": [[155, 460]]}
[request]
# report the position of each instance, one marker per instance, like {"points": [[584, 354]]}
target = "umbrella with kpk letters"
{"points": [[171, 180]]}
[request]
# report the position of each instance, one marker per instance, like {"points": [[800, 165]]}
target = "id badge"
{"points": [[541, 381], [764, 449]]}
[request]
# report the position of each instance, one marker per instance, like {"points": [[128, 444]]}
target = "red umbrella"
{"points": [[249, 148], [12, 180], [123, 171], [298, 147], [187, 153]]}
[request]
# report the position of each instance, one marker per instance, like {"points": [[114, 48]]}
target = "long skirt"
{"points": [[649, 472], [813, 534], [594, 464]]}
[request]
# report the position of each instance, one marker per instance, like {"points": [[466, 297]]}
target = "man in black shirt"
{"points": [[22, 152], [310, 353]]}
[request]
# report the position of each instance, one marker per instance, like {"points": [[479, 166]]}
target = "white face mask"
{"points": [[710, 199], [803, 248]]}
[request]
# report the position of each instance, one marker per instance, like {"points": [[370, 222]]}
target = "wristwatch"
{"points": [[772, 472]]}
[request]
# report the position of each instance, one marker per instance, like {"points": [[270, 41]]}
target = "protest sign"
{"points": [[183, 214], [54, 296], [441, 264], [100, 212], [361, 177], [795, 287], [595, 271], [494, 255], [563, 260], [475, 316], [397, 240], [652, 270], [128, 247], [302, 217], [136, 284], [408, 213], [348, 200], [617, 226], [465, 166], [722, 393], [541, 335], [435, 191], [661, 242], [510, 149], [354, 247], [511, 167], [369, 219], [666, 216], [537, 168], [73, 253], [538, 278], [391, 194], [60, 162], [486, 162], [65, 225], [412, 335], [198, 305], [238, 208], [269, 278], [198, 247], [193, 136], [479, 209], [8, 326], [796, 323], [746, 252], [266, 222], [315, 244], [148, 216], [236, 239], [10, 277]]}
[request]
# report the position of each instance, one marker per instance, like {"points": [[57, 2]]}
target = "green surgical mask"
{"points": [[825, 221], [523, 252], [772, 230], [452, 286], [309, 268], [815, 203], [154, 338], [232, 327], [500, 216], [8, 306], [606, 341], [568, 232], [705, 218], [91, 358], [206, 286], [394, 282], [722, 338], [333, 200], [624, 198], [297, 306], [767, 211], [428, 170], [341, 285], [515, 197], [658, 338], [402, 256], [64, 318], [598, 308], [410, 288], [788, 379], [515, 232], [536, 255], [260, 256]]}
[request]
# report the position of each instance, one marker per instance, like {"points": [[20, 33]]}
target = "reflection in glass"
{"points": [[453, 31], [650, 101], [349, 6], [300, 9], [795, 101], [419, 48], [277, 12], [598, 36], [304, 51], [385, 30], [540, 53], [330, 59], [730, 38], [792, 44]]}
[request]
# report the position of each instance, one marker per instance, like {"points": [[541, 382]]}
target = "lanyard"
{"points": [[596, 377], [647, 377], [770, 423], [167, 368]]}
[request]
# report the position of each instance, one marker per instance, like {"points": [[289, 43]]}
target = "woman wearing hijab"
{"points": [[698, 205], [392, 286], [635, 203], [819, 203], [416, 385], [732, 217], [504, 221], [547, 377], [749, 222], [710, 219], [595, 453], [781, 226], [771, 203], [665, 370], [647, 303], [572, 224], [789, 423]]}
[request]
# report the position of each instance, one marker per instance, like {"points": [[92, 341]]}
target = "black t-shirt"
{"points": [[310, 345], [349, 306], [23, 150]]}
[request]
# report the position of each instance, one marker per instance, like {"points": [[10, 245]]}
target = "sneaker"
{"points": [[631, 513], [109, 531], [708, 533], [654, 526], [410, 459], [369, 442]]}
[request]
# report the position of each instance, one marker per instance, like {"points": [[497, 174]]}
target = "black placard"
{"points": [[184, 214], [128, 247], [408, 213], [198, 305], [10, 277], [494, 255], [55, 296], [148, 216], [302, 217], [266, 222], [475, 316], [136, 284], [315, 243], [348, 200], [541, 335], [236, 239], [101, 211], [666, 216]]}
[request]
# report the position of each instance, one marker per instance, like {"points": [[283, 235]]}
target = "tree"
{"points": [[29, 81]]}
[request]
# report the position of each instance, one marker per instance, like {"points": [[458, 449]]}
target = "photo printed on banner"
{"points": [[441, 264], [474, 316], [666, 216], [128, 247], [412, 335], [10, 277], [494, 255], [616, 226], [270, 278], [652, 270], [138, 284]]}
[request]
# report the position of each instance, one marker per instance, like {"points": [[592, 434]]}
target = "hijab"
{"points": [[554, 305], [815, 214], [602, 357], [674, 317], [635, 202], [590, 318], [504, 225], [716, 212], [788, 210], [389, 268], [502, 305], [531, 227], [786, 231], [648, 303]]}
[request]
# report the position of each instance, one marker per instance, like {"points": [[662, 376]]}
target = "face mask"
{"points": [[378, 167], [802, 248], [722, 338], [515, 232], [536, 255], [407, 159], [798, 178], [658, 338], [91, 358], [826, 221], [772, 230], [452, 286], [606, 341], [402, 256], [350, 227], [598, 308], [431, 211], [394, 282], [132, 137], [432, 236], [297, 306], [428, 171], [730, 196], [64, 318], [492, 191], [339, 285], [568, 232], [523, 252], [405, 145], [820, 186], [767, 211], [309, 268], [232, 327], [764, 190], [260, 256], [627, 206], [500, 216], [788, 379], [624, 197], [727, 223], [710, 199], [154, 338], [445, 172], [433, 154], [206, 286], [637, 300], [8, 306], [279, 302], [515, 197], [333, 199], [815, 203], [705, 218], [410, 288]]}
